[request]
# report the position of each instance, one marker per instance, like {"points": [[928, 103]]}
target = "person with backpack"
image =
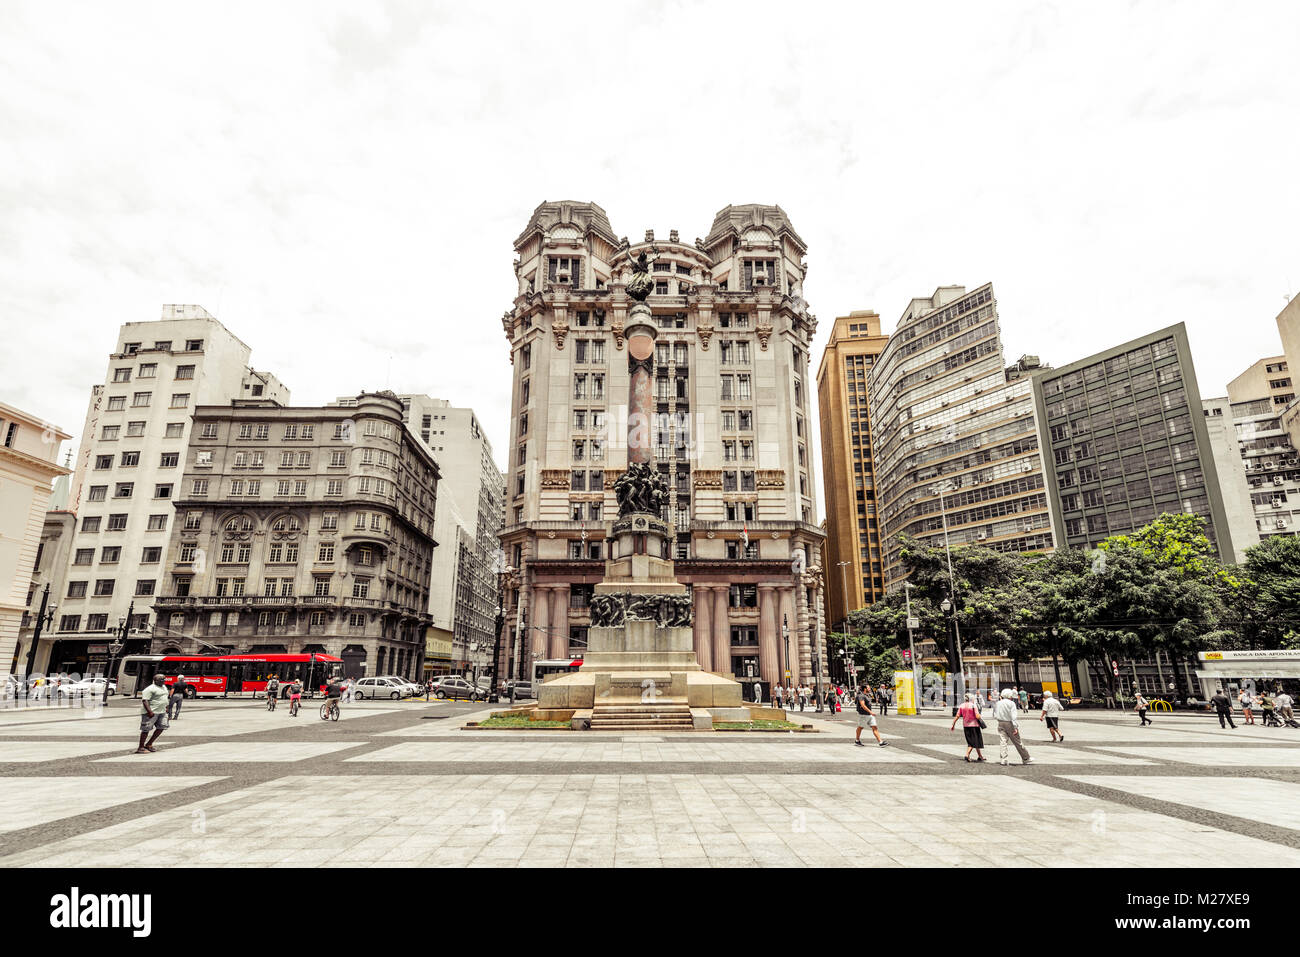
{"points": [[1140, 706]]}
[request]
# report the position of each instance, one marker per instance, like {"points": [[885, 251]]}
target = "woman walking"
{"points": [[1247, 702], [971, 725]]}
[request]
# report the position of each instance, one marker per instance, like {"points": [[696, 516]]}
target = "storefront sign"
{"points": [[1274, 654]]}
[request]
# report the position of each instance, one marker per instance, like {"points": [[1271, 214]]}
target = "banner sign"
{"points": [[904, 699]]}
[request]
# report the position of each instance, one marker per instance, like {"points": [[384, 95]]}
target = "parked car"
{"points": [[379, 687], [523, 689], [86, 686], [458, 688], [413, 687]]}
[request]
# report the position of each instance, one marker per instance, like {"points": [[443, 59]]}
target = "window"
{"points": [[193, 345], [124, 490], [334, 487], [97, 622], [116, 403], [325, 553], [84, 556], [134, 429], [110, 433], [77, 589], [185, 372], [162, 491], [140, 400], [110, 555], [90, 523], [122, 375], [163, 345], [145, 586], [200, 487], [103, 587], [148, 370], [361, 588], [69, 622]]}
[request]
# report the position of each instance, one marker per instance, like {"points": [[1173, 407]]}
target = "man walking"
{"points": [[866, 720], [1141, 706], [1222, 705], [1052, 714], [154, 699], [758, 692], [884, 699], [177, 698], [776, 697], [1283, 702], [1009, 728], [1024, 700]]}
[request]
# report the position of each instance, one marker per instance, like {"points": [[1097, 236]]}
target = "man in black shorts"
{"points": [[333, 692]]}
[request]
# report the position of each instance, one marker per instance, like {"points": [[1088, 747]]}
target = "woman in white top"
{"points": [[1247, 702]]}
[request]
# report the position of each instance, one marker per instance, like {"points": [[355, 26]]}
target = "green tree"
{"points": [[1271, 592]]}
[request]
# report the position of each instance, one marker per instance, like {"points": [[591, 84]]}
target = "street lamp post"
{"points": [[848, 623], [785, 633], [1056, 664], [124, 629], [911, 650], [43, 618], [960, 686], [949, 611]]}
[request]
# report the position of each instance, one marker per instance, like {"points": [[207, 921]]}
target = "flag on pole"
{"points": [[744, 534], [584, 531]]}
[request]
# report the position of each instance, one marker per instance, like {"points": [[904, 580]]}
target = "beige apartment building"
{"points": [[853, 557], [127, 473], [955, 441], [302, 530], [731, 433], [29, 462]]}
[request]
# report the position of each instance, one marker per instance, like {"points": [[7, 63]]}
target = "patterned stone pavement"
{"points": [[399, 784]]}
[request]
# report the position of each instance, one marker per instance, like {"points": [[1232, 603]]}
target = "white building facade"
{"points": [[128, 470], [29, 455]]}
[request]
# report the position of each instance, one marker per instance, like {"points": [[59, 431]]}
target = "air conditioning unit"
{"points": [[980, 536], [1277, 480], [1280, 523], [1027, 467], [1029, 528], [975, 480], [945, 403], [929, 376], [1277, 503]]}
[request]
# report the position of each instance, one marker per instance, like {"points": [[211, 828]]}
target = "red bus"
{"points": [[228, 674]]}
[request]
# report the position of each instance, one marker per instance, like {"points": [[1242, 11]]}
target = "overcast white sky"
{"points": [[340, 183]]}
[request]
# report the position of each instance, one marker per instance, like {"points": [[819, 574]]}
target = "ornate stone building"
{"points": [[731, 433], [303, 530]]}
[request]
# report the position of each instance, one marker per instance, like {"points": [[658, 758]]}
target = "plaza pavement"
{"points": [[401, 784]]}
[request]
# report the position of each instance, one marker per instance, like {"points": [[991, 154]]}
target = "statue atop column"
{"points": [[640, 489], [641, 285]]}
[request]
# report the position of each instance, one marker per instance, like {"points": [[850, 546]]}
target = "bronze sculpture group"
{"points": [[669, 611]]}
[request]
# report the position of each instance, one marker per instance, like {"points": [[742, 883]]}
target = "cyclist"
{"points": [[333, 692], [272, 692], [295, 696]]}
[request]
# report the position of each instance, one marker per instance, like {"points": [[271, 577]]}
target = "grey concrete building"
{"points": [[1125, 440]]}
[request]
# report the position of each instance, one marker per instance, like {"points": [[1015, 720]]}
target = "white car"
{"points": [[87, 686], [379, 687]]}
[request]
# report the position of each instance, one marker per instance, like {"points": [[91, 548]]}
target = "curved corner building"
{"points": [[944, 412]]}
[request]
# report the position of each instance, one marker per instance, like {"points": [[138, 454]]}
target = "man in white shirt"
{"points": [[1006, 715], [1052, 714], [153, 717], [1283, 702], [758, 693]]}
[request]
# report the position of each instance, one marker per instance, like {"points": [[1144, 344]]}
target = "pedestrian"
{"points": [[1140, 706], [1266, 706], [971, 725], [154, 718], [1009, 728], [1247, 703], [1024, 700], [884, 699], [831, 702], [1222, 705], [776, 697], [758, 692], [803, 698], [1283, 702], [866, 719], [1051, 713], [179, 687]]}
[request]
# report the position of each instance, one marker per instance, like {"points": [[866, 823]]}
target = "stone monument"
{"points": [[640, 670]]}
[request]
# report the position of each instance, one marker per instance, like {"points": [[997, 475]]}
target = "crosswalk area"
{"points": [[404, 783]]}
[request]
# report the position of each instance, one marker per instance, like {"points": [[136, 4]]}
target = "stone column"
{"points": [[641, 335], [721, 631], [559, 636], [798, 639], [769, 635], [541, 622], [703, 630]]}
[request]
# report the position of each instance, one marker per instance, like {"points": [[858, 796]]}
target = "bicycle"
{"points": [[330, 710], [293, 707], [270, 701]]}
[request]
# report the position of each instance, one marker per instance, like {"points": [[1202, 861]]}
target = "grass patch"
{"points": [[755, 726], [520, 721]]}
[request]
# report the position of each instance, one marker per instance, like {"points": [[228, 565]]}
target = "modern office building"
{"points": [[731, 432], [1230, 466], [29, 463], [128, 470], [463, 595], [303, 530], [1268, 378], [954, 438], [1271, 466], [1125, 440], [853, 558]]}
